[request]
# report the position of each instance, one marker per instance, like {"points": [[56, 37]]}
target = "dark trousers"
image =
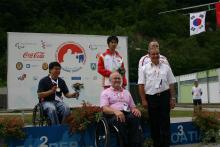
{"points": [[130, 131], [159, 117]]}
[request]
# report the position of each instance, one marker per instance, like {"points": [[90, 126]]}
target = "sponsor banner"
{"points": [[31, 53], [184, 133], [181, 133]]}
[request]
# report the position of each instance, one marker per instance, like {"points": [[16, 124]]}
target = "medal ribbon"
{"points": [[56, 82]]}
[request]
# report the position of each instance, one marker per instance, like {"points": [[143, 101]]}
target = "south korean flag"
{"points": [[197, 22]]}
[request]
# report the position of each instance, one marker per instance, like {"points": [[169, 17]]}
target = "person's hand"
{"points": [[75, 95], [172, 103], [54, 88], [120, 116], [144, 103], [136, 112]]}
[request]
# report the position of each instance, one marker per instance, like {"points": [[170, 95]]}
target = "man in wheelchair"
{"points": [[120, 111], [50, 90]]}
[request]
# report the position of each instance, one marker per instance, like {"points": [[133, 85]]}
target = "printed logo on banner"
{"points": [[19, 66], [28, 66], [71, 56], [75, 78], [22, 77], [34, 65], [33, 55], [44, 66], [22, 45], [19, 45], [44, 44], [93, 47], [93, 66]]}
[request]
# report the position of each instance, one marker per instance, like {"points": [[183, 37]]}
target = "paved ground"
{"points": [[196, 145], [180, 119], [204, 108]]}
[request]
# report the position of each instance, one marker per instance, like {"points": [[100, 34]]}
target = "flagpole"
{"points": [[205, 10], [186, 8]]}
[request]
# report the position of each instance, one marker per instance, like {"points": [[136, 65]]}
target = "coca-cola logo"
{"points": [[32, 55]]}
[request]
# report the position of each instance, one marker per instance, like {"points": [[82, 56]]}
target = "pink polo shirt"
{"points": [[116, 99]]}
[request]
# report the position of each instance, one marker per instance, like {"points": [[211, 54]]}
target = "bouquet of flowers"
{"points": [[77, 87]]}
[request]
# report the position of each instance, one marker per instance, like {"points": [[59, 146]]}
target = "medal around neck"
{"points": [[58, 89]]}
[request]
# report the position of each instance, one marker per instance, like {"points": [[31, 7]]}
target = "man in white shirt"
{"points": [[146, 58], [197, 93], [156, 88]]}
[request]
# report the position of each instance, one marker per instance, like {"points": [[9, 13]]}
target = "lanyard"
{"points": [[157, 70], [55, 82]]}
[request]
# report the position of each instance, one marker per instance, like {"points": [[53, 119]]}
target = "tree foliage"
{"points": [[137, 19]]}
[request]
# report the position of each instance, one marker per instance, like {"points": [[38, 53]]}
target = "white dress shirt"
{"points": [[146, 59], [156, 78]]}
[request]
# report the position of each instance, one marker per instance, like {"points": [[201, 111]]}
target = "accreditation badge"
{"points": [[126, 107]]}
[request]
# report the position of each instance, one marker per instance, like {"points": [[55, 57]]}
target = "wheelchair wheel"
{"points": [[120, 142], [102, 134], [39, 118]]}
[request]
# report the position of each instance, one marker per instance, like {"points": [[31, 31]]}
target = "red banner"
{"points": [[217, 8]]}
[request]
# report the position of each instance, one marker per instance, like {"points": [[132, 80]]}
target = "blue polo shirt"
{"points": [[46, 84]]}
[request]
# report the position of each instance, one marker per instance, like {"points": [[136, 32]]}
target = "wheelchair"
{"points": [[106, 134], [40, 117]]}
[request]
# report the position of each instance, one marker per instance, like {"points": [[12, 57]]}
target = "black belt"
{"points": [[159, 93]]}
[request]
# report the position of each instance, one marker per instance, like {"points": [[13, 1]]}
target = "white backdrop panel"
{"points": [[30, 53]]}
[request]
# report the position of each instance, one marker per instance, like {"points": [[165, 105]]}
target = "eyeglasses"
{"points": [[117, 78]]}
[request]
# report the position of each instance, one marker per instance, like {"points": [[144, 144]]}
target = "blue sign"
{"points": [[59, 136], [55, 136], [184, 133]]}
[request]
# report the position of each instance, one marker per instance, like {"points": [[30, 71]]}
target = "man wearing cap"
{"points": [[156, 88], [197, 93], [50, 90], [111, 61]]}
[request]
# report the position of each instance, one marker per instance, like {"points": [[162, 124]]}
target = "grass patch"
{"points": [[174, 113], [181, 113]]}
